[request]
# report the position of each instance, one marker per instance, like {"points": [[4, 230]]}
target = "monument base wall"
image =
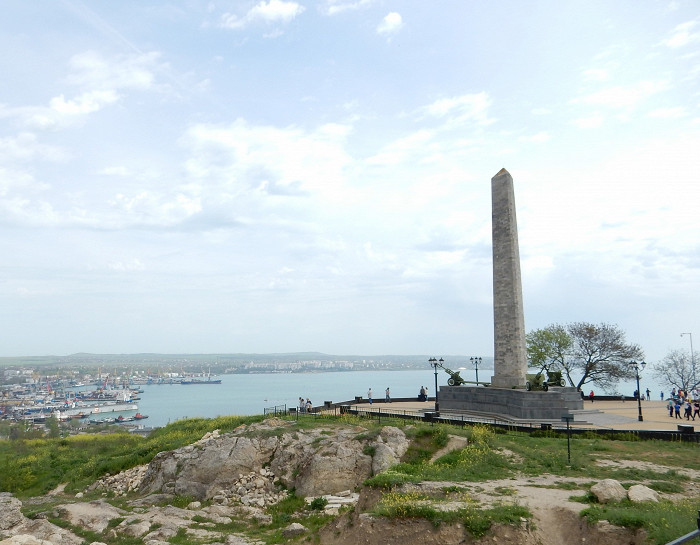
{"points": [[535, 405]]}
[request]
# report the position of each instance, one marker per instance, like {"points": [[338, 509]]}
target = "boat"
{"points": [[103, 421], [139, 416], [201, 381], [114, 407], [206, 379]]}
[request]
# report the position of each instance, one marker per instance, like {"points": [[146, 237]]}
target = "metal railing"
{"points": [[276, 410], [381, 411]]}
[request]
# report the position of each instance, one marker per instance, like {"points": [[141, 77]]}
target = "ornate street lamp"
{"points": [[639, 393], [476, 362], [435, 364]]}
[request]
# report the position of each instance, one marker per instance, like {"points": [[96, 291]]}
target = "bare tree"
{"points": [[600, 354], [585, 352], [678, 369]]}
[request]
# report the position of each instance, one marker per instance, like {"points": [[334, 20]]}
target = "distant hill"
{"points": [[235, 360]]}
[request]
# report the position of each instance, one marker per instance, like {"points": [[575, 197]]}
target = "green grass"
{"points": [[476, 521], [663, 521], [35, 466], [32, 466]]}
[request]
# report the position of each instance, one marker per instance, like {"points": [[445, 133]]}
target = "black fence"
{"points": [[276, 410]]}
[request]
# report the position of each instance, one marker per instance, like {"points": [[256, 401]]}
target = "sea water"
{"points": [[246, 394]]}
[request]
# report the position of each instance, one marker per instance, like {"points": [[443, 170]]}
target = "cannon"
{"points": [[537, 381], [456, 379]]}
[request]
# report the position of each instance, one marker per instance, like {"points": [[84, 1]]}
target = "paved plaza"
{"points": [[618, 415]]}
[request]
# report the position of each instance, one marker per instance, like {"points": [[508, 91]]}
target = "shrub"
{"points": [[318, 504]]}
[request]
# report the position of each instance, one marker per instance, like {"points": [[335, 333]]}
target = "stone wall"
{"points": [[535, 405]]}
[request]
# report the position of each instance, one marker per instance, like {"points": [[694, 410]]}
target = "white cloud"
{"points": [[27, 147], [334, 7], [391, 24], [623, 96], [274, 11], [596, 74], [100, 81], [589, 122], [237, 158], [131, 265], [83, 104], [472, 107], [668, 113], [682, 35], [538, 138], [399, 150]]}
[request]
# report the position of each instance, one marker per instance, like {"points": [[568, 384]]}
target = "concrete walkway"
{"points": [[617, 415]]}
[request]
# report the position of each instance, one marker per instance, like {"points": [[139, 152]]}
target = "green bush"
{"points": [[318, 504]]}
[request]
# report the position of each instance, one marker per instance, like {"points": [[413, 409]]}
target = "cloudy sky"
{"points": [[276, 176]]}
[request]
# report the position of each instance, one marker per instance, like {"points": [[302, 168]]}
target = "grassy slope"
{"points": [[33, 466]]}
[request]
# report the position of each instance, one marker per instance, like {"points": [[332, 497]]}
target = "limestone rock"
{"points": [[609, 490], [93, 516], [203, 472], [10, 514], [294, 529], [13, 524], [247, 469], [24, 539], [640, 493]]}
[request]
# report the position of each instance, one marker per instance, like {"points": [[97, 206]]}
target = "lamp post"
{"points": [[476, 362], [639, 393], [692, 356], [435, 364]]}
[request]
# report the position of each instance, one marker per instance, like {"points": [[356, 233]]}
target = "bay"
{"points": [[248, 394]]}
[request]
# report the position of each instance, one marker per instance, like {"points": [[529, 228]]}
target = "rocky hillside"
{"points": [[242, 487]]}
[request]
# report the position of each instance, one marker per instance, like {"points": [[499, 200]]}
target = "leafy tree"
{"points": [[52, 427], [585, 352], [678, 369], [548, 346]]}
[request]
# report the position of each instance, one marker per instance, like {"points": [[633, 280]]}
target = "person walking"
{"points": [[648, 395], [387, 396], [696, 409], [591, 396], [688, 410], [670, 407], [369, 395], [677, 409], [662, 396]]}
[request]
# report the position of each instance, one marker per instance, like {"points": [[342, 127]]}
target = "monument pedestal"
{"points": [[533, 405]]}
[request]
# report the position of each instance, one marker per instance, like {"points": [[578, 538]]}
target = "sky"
{"points": [[315, 175]]}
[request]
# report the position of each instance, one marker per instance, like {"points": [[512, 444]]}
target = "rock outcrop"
{"points": [[314, 462], [17, 528]]}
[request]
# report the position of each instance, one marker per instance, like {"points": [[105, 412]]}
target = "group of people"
{"points": [[683, 395], [387, 395], [423, 393], [305, 406], [691, 408], [688, 401]]}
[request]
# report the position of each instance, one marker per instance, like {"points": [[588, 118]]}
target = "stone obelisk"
{"points": [[510, 356]]}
